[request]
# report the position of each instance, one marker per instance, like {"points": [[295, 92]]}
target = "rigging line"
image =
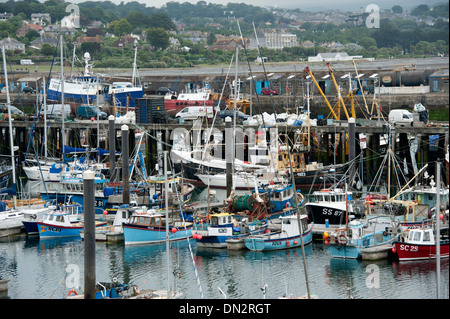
{"points": [[264, 70], [26, 123], [218, 103], [189, 243]]}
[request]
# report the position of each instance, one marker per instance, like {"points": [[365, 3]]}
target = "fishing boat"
{"points": [[349, 241], [286, 237], [241, 180], [173, 102], [85, 89], [32, 217], [254, 211], [420, 243], [58, 224], [148, 226], [78, 89], [412, 207], [114, 232], [218, 228], [327, 208]]}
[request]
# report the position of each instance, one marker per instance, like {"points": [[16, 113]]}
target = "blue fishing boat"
{"points": [[58, 224], [33, 217], [149, 227], [288, 236], [348, 242], [221, 227], [245, 215]]}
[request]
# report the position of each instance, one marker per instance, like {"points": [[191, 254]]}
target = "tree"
{"points": [[120, 27], [397, 9], [138, 19], [211, 39], [32, 34], [158, 38], [161, 20], [47, 49]]}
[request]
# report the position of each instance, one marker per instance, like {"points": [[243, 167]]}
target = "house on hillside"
{"points": [[95, 39], [23, 30], [125, 40], [44, 39], [230, 44], [41, 19], [12, 44]]}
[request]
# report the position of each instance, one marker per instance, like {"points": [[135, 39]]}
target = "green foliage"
{"points": [[158, 38]]}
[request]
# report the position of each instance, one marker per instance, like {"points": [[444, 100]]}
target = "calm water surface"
{"points": [[48, 269]]}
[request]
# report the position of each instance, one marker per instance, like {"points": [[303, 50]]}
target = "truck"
{"points": [[401, 117], [193, 112]]}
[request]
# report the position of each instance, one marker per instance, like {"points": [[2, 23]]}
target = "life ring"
{"points": [[73, 291], [287, 205], [385, 233], [342, 240]]}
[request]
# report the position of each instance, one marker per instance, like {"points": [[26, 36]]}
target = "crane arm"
{"points": [[307, 70]]}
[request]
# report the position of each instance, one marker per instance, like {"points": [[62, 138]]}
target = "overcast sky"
{"points": [[345, 5]]}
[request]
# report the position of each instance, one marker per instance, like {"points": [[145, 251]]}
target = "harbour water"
{"points": [[49, 269]]}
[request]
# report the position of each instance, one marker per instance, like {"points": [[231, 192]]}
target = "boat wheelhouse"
{"points": [[149, 227], [420, 243]]}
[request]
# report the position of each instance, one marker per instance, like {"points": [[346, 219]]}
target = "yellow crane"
{"points": [[307, 70]]}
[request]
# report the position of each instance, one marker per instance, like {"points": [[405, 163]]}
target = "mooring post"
{"points": [[229, 153], [351, 144], [125, 166], [112, 147], [89, 234]]}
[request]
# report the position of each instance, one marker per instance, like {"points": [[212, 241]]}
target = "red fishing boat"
{"points": [[421, 244]]}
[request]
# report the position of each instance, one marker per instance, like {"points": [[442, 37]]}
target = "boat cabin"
{"points": [[57, 218], [281, 196], [329, 196], [149, 219], [221, 219], [421, 236]]}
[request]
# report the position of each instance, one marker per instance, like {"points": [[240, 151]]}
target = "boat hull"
{"points": [[407, 251], [52, 231], [267, 243], [139, 235]]}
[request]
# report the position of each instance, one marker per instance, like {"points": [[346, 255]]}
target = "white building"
{"points": [[280, 40], [12, 44], [40, 18], [333, 57]]}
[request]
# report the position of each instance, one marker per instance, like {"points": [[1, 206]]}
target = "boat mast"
{"points": [[62, 97], [11, 139], [166, 202], [438, 229], [299, 221], [134, 66]]}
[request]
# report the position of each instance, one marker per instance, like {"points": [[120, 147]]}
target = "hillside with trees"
{"points": [[180, 34]]}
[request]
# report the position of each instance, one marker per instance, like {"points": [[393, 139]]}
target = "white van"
{"points": [[401, 117], [54, 110], [193, 112]]}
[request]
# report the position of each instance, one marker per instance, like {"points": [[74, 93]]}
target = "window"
{"points": [[426, 236], [416, 236]]}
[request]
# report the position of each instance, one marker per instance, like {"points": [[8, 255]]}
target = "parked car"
{"points": [[91, 111], [266, 91], [163, 90], [239, 115], [28, 89]]}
